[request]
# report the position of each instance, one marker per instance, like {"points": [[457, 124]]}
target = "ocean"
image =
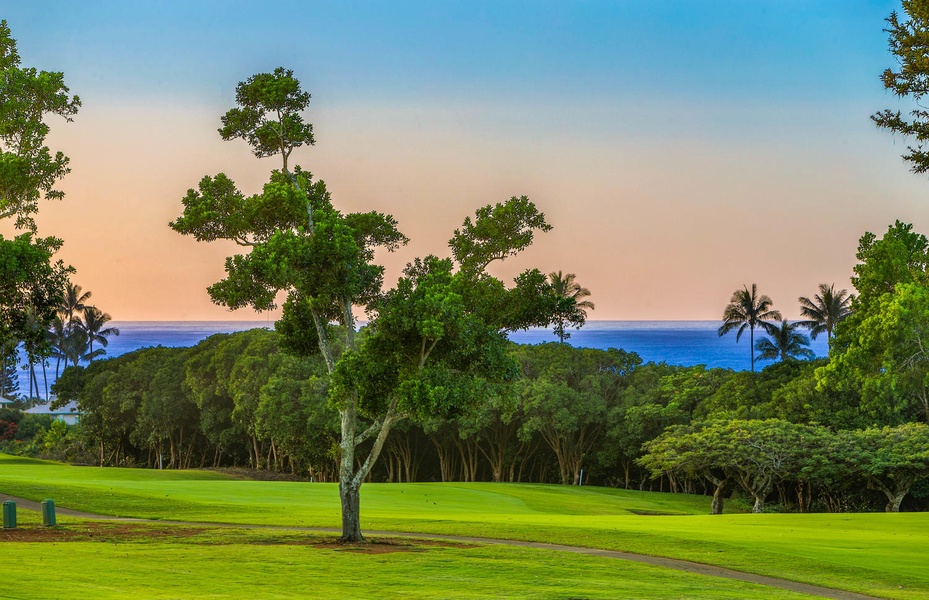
{"points": [[685, 343]]}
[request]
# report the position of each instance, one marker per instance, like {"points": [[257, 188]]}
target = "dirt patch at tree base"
{"points": [[96, 532], [118, 532]]}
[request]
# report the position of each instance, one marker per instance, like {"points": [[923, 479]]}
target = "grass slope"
{"points": [[878, 554]]}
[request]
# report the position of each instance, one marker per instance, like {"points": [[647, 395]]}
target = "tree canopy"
{"points": [[908, 38], [28, 169], [748, 309], [434, 342]]}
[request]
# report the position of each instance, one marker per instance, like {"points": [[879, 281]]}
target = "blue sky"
{"points": [[691, 145], [442, 50]]}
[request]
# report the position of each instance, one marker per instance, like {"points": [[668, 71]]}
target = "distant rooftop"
{"points": [[42, 409]]}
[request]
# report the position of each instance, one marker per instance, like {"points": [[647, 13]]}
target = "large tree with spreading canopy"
{"points": [[434, 343]]}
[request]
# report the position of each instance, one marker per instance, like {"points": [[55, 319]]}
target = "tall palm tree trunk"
{"points": [[45, 379]]}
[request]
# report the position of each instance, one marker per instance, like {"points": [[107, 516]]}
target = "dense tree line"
{"points": [[842, 433], [238, 400]]}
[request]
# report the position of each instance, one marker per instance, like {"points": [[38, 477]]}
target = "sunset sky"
{"points": [[680, 149]]}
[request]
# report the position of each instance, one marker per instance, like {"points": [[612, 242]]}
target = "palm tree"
{"points": [[567, 289], [74, 299], [825, 310], [57, 335], [786, 343], [93, 325], [34, 351], [75, 346], [748, 309]]}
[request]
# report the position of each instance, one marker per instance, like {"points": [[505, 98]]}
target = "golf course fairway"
{"points": [[876, 554]]}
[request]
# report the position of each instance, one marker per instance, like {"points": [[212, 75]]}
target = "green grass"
{"points": [[235, 564], [878, 554]]}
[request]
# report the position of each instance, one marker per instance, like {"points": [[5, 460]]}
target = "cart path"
{"points": [[658, 561]]}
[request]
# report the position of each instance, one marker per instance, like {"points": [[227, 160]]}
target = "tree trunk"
{"points": [[894, 501], [716, 506], [446, 458], [351, 512], [896, 494], [804, 496], [257, 459], [467, 450]]}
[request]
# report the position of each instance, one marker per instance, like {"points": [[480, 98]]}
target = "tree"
{"points": [[73, 304], [28, 171], [656, 397], [9, 378], [801, 400], [437, 344], [890, 459], [748, 309], [294, 413], [748, 395], [900, 256], [75, 347], [30, 289], [206, 375], [435, 341], [298, 242], [37, 351], [827, 309], [888, 363], [684, 450], [57, 339], [167, 419], [755, 454], [567, 393], [93, 324], [786, 343], [574, 308], [909, 43], [877, 354], [27, 168]]}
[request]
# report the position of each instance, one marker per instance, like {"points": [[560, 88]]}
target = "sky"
{"points": [[680, 149]]}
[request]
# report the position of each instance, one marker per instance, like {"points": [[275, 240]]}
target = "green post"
{"points": [[9, 515], [48, 512]]}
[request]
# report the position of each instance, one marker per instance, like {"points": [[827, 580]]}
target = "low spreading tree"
{"points": [[755, 454], [686, 451], [890, 459]]}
